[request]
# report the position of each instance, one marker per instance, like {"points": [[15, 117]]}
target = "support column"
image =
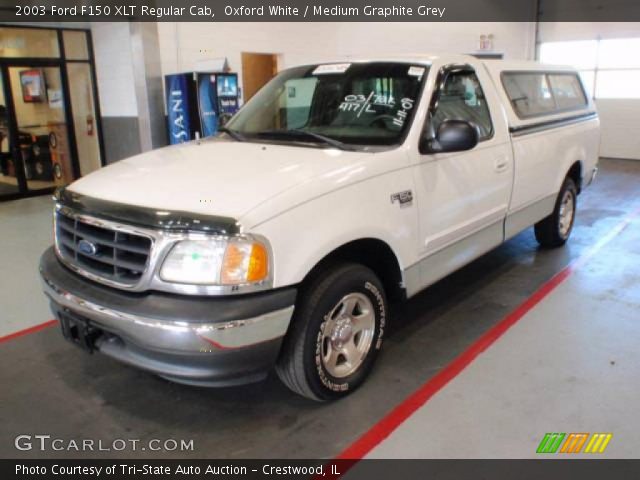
{"points": [[147, 75]]}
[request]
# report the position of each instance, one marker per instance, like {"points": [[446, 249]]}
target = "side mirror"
{"points": [[452, 136]]}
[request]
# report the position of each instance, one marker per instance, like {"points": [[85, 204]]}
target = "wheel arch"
{"points": [[371, 252], [575, 172]]}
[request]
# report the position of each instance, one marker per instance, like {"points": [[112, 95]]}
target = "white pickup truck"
{"points": [[335, 190]]}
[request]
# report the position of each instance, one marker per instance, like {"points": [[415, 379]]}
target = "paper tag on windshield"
{"points": [[416, 71], [332, 68]]}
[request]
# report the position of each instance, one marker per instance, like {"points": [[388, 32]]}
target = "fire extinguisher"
{"points": [[89, 124]]}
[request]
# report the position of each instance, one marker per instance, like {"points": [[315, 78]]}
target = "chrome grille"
{"points": [[113, 255]]}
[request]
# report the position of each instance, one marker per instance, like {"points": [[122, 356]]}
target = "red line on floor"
{"points": [[27, 331], [381, 430]]}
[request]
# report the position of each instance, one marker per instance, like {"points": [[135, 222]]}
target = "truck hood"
{"points": [[213, 177]]}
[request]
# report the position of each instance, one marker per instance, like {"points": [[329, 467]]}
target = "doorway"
{"points": [[257, 70], [8, 175], [49, 129], [38, 143]]}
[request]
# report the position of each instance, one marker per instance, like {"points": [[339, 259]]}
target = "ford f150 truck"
{"points": [[337, 189]]}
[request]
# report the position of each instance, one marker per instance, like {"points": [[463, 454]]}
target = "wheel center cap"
{"points": [[342, 332]]}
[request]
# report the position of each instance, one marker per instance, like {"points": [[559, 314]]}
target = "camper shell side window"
{"points": [[540, 93]]}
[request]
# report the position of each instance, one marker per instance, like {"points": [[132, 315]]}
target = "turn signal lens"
{"points": [[258, 263], [244, 263]]}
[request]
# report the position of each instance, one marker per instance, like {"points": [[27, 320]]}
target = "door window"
{"points": [[461, 98]]}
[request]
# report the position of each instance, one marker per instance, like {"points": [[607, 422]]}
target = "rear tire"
{"points": [[336, 333], [554, 230]]}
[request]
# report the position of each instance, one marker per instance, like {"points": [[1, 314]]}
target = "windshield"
{"points": [[339, 105]]}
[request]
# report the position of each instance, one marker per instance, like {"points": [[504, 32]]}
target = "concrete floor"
{"points": [[26, 230], [569, 365], [551, 372]]}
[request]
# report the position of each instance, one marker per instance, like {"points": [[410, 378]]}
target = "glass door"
{"points": [[9, 184], [41, 137], [84, 116]]}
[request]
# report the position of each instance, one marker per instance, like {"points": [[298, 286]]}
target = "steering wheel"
{"points": [[383, 118]]}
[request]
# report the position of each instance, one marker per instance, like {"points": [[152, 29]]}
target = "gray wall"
{"points": [[121, 138]]}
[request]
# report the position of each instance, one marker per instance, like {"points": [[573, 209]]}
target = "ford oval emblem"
{"points": [[88, 248]]}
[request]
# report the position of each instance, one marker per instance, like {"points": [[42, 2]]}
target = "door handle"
{"points": [[501, 165]]}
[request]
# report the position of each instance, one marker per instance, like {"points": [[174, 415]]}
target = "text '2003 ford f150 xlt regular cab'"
{"points": [[336, 189]]}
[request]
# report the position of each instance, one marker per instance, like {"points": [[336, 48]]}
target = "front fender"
{"points": [[302, 236]]}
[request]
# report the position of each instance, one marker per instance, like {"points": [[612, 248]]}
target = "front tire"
{"points": [[554, 230], [336, 333]]}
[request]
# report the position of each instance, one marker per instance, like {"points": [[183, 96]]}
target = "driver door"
{"points": [[463, 196]]}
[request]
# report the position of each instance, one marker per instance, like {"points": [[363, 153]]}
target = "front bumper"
{"points": [[213, 341]]}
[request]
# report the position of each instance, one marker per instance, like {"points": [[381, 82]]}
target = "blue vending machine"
{"points": [[199, 102]]}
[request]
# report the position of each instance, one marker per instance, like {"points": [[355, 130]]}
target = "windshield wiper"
{"points": [[233, 134], [305, 133]]}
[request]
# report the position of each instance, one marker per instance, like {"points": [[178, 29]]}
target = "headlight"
{"points": [[216, 261]]}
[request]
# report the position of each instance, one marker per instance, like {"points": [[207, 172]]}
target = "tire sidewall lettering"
{"points": [[381, 311]]}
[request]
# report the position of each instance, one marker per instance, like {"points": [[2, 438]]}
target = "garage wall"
{"points": [[619, 117], [619, 121], [183, 46], [565, 31]]}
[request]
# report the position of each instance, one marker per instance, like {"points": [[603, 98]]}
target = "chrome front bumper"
{"points": [[176, 335], [198, 340]]}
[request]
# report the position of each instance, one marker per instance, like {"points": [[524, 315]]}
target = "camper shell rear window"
{"points": [[538, 93]]}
